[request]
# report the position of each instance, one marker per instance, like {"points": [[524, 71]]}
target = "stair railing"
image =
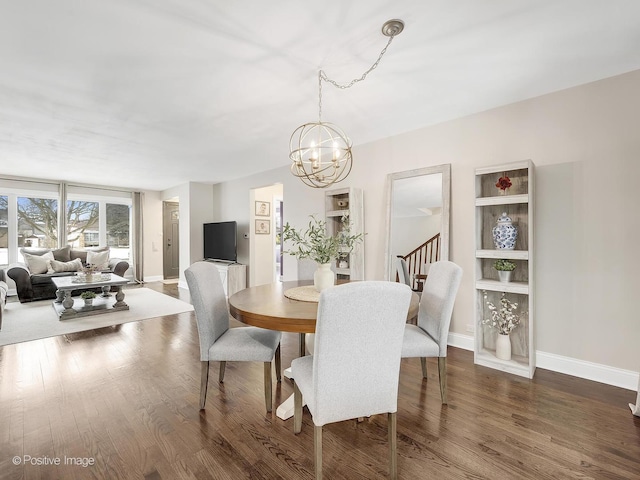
{"points": [[428, 252]]}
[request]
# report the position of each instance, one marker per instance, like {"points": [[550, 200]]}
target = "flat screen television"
{"points": [[220, 241]]}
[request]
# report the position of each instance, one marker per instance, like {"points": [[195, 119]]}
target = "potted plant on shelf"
{"points": [[504, 268], [88, 297], [315, 243], [505, 321]]}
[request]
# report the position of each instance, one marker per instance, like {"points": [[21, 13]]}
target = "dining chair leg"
{"points": [[204, 382], [442, 373], [267, 386], [297, 408], [393, 446], [278, 365], [317, 449], [423, 363], [302, 348], [221, 373]]}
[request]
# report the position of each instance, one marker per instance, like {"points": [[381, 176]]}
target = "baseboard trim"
{"points": [[588, 370], [460, 341], [616, 377], [153, 278]]}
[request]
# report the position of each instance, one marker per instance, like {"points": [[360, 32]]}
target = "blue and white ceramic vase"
{"points": [[504, 233]]}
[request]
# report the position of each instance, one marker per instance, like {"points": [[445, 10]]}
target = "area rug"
{"points": [[23, 322]]}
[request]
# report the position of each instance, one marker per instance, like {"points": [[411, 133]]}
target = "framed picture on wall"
{"points": [[263, 227], [263, 209]]}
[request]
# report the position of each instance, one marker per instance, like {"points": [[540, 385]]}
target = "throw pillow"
{"points": [[38, 263], [72, 266], [100, 260], [81, 253], [61, 254]]}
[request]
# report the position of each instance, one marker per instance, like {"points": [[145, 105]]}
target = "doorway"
{"points": [[265, 251], [171, 240]]}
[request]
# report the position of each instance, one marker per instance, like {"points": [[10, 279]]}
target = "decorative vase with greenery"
{"points": [[504, 268], [88, 297], [504, 320], [316, 244]]}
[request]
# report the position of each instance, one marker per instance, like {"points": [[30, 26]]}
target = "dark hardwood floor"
{"points": [[126, 399]]}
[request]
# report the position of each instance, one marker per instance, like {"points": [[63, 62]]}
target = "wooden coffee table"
{"points": [[69, 307]]}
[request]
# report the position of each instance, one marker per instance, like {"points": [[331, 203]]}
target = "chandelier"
{"points": [[320, 152]]}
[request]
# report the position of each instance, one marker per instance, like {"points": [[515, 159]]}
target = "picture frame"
{"points": [[263, 209], [263, 227]]}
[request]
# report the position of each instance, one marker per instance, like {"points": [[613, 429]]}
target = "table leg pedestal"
{"points": [[306, 343], [67, 303], [120, 305]]}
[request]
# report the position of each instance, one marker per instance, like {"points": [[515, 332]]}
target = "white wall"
{"points": [[152, 236], [200, 212], [585, 145]]}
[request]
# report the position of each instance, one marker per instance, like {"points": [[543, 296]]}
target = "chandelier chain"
{"points": [[323, 76]]}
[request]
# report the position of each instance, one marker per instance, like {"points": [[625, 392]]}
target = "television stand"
{"points": [[233, 276]]}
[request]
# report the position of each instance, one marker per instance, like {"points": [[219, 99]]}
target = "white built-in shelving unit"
{"points": [[517, 202]]}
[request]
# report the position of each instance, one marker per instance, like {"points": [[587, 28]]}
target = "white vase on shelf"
{"points": [[503, 347], [323, 277], [504, 233]]}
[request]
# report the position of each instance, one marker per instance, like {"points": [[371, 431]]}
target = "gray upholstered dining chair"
{"points": [[354, 370], [429, 337], [403, 271], [218, 342]]}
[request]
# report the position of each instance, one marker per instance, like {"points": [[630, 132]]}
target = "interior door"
{"points": [[171, 240]]}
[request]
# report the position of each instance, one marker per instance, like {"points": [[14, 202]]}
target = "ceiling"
{"points": [[154, 93]]}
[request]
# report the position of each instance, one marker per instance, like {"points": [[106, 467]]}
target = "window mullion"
{"points": [[102, 217], [62, 215], [12, 224]]}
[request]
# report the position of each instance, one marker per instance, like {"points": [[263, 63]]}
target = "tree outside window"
{"points": [[82, 223], [118, 229], [37, 222]]}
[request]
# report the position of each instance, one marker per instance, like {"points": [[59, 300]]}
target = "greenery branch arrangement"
{"points": [[87, 294], [504, 265], [316, 244], [503, 317]]}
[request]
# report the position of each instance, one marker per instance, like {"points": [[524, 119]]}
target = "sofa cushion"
{"points": [[99, 260], [72, 266], [37, 263], [82, 253], [60, 254]]}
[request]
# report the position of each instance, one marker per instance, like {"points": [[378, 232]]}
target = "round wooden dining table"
{"points": [[266, 306]]}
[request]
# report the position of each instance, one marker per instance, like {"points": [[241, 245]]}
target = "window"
{"points": [[37, 222], [31, 215], [96, 220]]}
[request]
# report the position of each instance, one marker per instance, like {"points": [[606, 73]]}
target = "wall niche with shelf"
{"points": [[340, 202]]}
